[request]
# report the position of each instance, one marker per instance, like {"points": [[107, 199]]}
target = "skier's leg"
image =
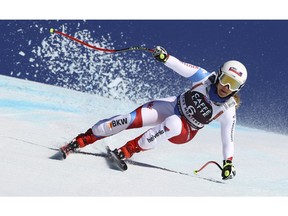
{"points": [[174, 129], [149, 114]]}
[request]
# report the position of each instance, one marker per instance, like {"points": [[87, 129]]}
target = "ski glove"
{"points": [[228, 171], [160, 54]]}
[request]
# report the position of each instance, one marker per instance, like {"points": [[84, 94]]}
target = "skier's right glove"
{"points": [[228, 171], [160, 54]]}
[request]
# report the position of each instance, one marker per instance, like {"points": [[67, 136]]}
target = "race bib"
{"points": [[196, 107]]}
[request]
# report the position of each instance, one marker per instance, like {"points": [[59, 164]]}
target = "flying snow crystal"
{"points": [[21, 53], [133, 75]]}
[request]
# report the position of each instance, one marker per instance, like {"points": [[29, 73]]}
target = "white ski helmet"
{"points": [[234, 74]]}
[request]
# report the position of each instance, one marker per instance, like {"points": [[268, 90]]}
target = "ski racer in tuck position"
{"points": [[178, 118]]}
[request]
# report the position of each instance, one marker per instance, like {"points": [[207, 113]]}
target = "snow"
{"points": [[36, 119], [100, 72], [21, 53]]}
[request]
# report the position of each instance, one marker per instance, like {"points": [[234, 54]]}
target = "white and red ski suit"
{"points": [[178, 119]]}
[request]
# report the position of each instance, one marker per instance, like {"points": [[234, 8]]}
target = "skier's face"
{"points": [[223, 91]]}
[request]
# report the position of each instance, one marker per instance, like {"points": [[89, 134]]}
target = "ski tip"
{"points": [[52, 30], [57, 156], [124, 168]]}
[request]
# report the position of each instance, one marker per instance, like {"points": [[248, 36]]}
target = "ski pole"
{"points": [[52, 31], [209, 162]]}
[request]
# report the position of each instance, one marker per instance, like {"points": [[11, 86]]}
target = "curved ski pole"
{"points": [[52, 31], [209, 162]]}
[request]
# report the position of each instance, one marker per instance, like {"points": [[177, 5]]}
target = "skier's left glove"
{"points": [[228, 171], [160, 54]]}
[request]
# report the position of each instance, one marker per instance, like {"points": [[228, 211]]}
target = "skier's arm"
{"points": [[228, 121], [189, 71]]}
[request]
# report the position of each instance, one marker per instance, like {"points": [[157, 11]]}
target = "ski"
{"points": [[63, 153], [113, 157], [115, 163], [59, 155]]}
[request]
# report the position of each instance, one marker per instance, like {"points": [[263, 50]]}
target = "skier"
{"points": [[178, 119]]}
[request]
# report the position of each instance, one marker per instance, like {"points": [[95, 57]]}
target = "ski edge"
{"points": [[121, 164]]}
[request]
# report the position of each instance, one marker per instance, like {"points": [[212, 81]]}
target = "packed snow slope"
{"points": [[36, 119]]}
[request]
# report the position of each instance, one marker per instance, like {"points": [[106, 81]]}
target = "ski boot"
{"points": [[128, 149], [79, 142], [70, 147]]}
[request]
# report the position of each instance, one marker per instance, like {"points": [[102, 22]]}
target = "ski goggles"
{"points": [[227, 80]]}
